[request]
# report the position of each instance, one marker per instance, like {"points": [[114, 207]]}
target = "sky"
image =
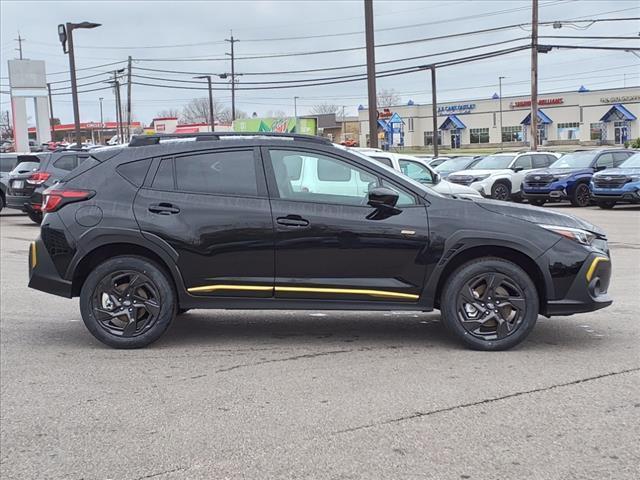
{"points": [[189, 36]]}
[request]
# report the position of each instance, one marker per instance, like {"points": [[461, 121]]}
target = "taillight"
{"points": [[38, 178], [56, 199]]}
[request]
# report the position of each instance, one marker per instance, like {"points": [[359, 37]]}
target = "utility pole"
{"points": [[129, 98], [371, 73], [116, 85], [344, 126], [434, 110], [295, 111], [101, 122], [500, 93], [19, 40], [211, 118], [534, 75], [231, 40], [53, 129]]}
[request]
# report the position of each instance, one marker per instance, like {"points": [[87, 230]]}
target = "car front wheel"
{"points": [[581, 196], [500, 191], [489, 304], [127, 302]]}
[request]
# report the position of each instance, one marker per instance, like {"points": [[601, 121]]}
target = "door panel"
{"points": [[224, 242]]}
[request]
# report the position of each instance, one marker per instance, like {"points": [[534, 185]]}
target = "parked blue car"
{"points": [[616, 185], [568, 178]]}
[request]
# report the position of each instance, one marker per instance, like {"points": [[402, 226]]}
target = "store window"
{"points": [[595, 131], [410, 124], [512, 134], [479, 135], [569, 131], [428, 138]]}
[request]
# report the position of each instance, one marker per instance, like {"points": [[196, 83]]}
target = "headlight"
{"points": [[479, 178], [635, 178], [577, 235], [561, 177]]}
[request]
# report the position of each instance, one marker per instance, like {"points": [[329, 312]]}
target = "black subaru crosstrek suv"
{"points": [[145, 232]]}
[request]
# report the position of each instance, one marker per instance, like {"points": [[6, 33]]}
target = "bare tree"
{"points": [[387, 98], [197, 111], [6, 130], [168, 113], [322, 108]]}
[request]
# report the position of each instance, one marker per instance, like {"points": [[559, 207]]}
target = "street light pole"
{"points": [[211, 118], [101, 122], [434, 110], [65, 33], [500, 93]]}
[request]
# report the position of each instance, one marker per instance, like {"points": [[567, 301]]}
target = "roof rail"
{"points": [[155, 139]]}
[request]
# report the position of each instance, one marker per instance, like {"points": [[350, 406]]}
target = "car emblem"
{"points": [[607, 178], [537, 177]]}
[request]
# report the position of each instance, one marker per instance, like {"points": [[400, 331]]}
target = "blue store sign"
{"points": [[463, 108]]}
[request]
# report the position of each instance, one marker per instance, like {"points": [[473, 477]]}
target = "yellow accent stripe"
{"points": [[349, 291], [213, 288], [34, 255], [342, 291], [593, 266]]}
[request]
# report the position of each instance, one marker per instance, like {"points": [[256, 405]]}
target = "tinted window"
{"points": [[605, 160], [226, 173], [134, 171], [619, 157], [524, 161], [384, 160], [164, 176], [404, 198], [66, 162], [540, 161], [7, 162], [416, 170]]}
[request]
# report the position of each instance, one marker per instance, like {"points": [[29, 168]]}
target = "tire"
{"points": [[153, 302], [606, 204], [581, 196], [493, 332], [501, 191], [35, 217], [1, 202], [537, 203]]}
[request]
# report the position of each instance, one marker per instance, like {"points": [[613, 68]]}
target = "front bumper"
{"points": [[618, 194], [550, 192], [589, 290]]}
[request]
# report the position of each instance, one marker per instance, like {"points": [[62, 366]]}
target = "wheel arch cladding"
{"points": [[521, 259], [98, 255]]}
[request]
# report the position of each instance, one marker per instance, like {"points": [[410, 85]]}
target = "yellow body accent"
{"points": [[34, 255], [342, 291], [594, 264]]}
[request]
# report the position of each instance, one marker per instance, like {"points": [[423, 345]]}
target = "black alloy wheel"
{"points": [[581, 196], [500, 191], [489, 304], [128, 302]]}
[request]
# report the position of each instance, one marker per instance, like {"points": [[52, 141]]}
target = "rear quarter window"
{"points": [[135, 172]]}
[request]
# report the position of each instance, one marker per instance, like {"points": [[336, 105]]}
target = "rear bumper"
{"points": [[588, 292], [25, 203], [43, 275]]}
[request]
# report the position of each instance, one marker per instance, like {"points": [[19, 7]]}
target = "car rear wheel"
{"points": [[490, 304], [1, 202], [581, 196], [35, 217], [537, 203], [500, 191], [607, 204], [127, 302]]}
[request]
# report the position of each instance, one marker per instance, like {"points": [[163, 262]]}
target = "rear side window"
{"points": [[7, 162], [524, 161], [66, 162], [164, 176], [223, 173], [135, 172], [540, 161], [330, 170], [619, 157]]}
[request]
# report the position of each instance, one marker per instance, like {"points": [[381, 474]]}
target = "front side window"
{"points": [[322, 178], [415, 170], [540, 161], [221, 173], [524, 161], [605, 160]]}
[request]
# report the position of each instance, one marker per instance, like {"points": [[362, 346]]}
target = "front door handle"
{"points": [[164, 209], [292, 221]]}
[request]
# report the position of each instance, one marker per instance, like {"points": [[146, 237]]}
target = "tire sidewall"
{"points": [[161, 282], [466, 272], [496, 186], [574, 199]]}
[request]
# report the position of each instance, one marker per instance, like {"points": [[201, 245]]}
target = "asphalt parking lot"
{"points": [[252, 394]]}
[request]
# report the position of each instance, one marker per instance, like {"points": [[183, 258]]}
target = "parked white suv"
{"points": [[500, 175], [418, 169]]}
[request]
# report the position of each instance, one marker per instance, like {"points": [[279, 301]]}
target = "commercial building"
{"points": [[597, 117]]}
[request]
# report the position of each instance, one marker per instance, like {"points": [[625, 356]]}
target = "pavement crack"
{"points": [[164, 472], [278, 360], [485, 401]]}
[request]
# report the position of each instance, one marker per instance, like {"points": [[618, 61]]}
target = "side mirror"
{"points": [[383, 198], [600, 167], [437, 178], [517, 169]]}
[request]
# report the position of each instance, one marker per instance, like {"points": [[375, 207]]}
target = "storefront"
{"points": [[597, 117]]}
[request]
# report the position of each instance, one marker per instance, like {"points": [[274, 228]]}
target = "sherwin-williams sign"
{"points": [[279, 125]]}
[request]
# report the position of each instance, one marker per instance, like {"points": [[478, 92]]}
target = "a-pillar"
{"points": [[20, 131], [43, 127]]}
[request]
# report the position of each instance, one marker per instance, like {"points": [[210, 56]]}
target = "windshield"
{"points": [[494, 162], [575, 160], [632, 162], [454, 164]]}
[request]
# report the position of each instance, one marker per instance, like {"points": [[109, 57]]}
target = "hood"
{"points": [[475, 173], [618, 171], [560, 171], [448, 188], [539, 215]]}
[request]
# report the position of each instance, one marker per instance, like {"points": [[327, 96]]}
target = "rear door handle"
{"points": [[164, 209], [292, 221]]}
